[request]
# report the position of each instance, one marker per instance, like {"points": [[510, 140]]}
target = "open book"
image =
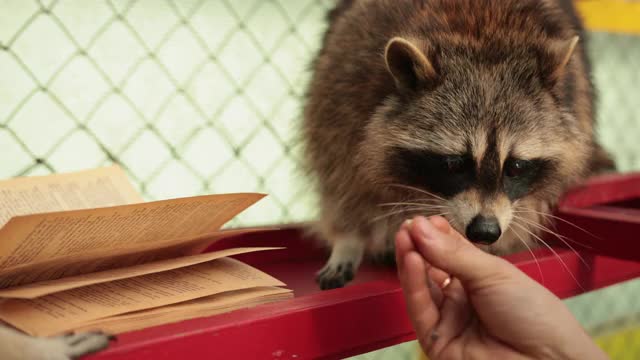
{"points": [[83, 251]]}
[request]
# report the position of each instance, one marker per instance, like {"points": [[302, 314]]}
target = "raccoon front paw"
{"points": [[73, 346], [333, 276]]}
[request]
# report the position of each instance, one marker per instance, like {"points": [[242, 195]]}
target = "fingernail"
{"points": [[407, 222], [445, 283]]}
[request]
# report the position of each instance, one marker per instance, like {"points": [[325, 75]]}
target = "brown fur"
{"points": [[497, 78]]}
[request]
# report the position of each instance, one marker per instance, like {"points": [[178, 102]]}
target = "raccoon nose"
{"points": [[484, 230]]}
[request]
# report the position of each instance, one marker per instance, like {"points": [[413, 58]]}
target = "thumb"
{"points": [[445, 248]]}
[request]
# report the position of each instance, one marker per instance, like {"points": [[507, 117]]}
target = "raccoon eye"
{"points": [[516, 168]]}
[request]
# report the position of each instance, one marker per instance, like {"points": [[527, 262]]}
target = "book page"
{"points": [[94, 262], [59, 312], [217, 301], [207, 306], [107, 186], [34, 290], [71, 236]]}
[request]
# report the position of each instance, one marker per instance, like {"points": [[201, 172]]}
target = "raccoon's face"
{"points": [[482, 190], [486, 141]]}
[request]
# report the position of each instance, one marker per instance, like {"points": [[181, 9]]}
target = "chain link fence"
{"points": [[189, 97], [204, 96]]}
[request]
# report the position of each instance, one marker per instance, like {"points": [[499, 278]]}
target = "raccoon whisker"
{"points": [[407, 187], [413, 205], [532, 255], [453, 223], [554, 252], [429, 199], [562, 238], [553, 225], [421, 199], [561, 219], [552, 232], [546, 218], [415, 209], [408, 211], [559, 237], [380, 218], [431, 204], [410, 204], [395, 207]]}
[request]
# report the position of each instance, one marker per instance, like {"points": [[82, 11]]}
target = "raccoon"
{"points": [[481, 111]]}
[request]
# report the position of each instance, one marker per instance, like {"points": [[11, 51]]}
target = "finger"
{"points": [[440, 223], [449, 251], [455, 315], [435, 291], [420, 307], [436, 279], [439, 277], [403, 245]]}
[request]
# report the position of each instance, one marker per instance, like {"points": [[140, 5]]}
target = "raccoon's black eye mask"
{"points": [[448, 175], [521, 176], [443, 174]]}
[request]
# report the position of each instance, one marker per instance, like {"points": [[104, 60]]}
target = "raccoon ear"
{"points": [[558, 55], [410, 67]]}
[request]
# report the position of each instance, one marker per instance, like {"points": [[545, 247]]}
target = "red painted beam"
{"points": [[365, 316]]}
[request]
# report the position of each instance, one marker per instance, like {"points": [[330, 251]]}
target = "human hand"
{"points": [[467, 304]]}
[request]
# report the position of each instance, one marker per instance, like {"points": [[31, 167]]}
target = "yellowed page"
{"points": [[71, 236], [107, 186], [59, 312], [198, 246], [96, 261], [207, 306], [217, 301], [34, 290]]}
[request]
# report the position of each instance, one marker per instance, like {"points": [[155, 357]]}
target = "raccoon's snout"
{"points": [[483, 230]]}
